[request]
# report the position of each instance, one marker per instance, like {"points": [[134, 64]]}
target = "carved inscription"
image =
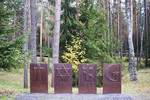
{"points": [[87, 72], [38, 78], [38, 70], [112, 73], [63, 72], [111, 78], [87, 78], [62, 78]]}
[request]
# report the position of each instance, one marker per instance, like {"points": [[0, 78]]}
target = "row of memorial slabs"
{"points": [[63, 78]]}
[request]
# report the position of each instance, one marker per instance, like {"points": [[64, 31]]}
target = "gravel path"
{"points": [[40, 96]]}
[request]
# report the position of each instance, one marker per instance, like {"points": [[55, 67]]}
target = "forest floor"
{"points": [[11, 83]]}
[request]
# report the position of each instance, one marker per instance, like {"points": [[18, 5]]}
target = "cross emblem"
{"points": [[86, 72], [38, 70], [63, 72]]}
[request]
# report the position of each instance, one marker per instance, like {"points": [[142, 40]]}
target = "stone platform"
{"points": [[40, 96]]}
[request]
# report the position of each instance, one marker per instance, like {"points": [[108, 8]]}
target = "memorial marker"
{"points": [[87, 78], [38, 78], [111, 78], [63, 78]]}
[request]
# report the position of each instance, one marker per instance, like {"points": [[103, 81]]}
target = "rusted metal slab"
{"points": [[87, 78], [38, 78], [111, 78], [62, 78]]}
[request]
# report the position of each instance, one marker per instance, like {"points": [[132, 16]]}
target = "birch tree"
{"points": [[56, 37], [132, 67]]}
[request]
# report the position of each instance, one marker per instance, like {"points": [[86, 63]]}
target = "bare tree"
{"points": [[104, 4], [141, 31], [99, 5], [118, 30], [137, 32], [25, 46], [132, 67], [29, 17], [146, 32], [48, 34], [33, 31], [121, 49], [14, 35], [77, 7], [56, 37], [41, 30]]}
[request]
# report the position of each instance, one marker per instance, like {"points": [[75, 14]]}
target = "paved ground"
{"points": [[40, 96]]}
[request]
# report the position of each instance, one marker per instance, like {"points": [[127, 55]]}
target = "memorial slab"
{"points": [[62, 78], [111, 78], [38, 78], [87, 78]]}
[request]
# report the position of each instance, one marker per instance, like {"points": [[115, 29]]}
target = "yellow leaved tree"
{"points": [[75, 55]]}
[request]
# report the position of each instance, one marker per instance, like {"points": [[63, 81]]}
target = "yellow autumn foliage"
{"points": [[75, 53]]}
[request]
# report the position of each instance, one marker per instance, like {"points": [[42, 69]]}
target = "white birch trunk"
{"points": [[132, 67]]}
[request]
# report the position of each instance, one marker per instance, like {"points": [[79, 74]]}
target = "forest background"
{"points": [[74, 31]]}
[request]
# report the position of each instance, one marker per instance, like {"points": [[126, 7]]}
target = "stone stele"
{"points": [[111, 78], [87, 78], [38, 78], [62, 78]]}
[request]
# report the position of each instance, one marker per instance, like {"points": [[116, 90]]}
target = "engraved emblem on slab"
{"points": [[63, 72], [112, 73], [87, 72]]}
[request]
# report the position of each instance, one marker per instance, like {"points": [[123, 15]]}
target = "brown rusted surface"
{"points": [[62, 78], [38, 78], [111, 78], [87, 78]]}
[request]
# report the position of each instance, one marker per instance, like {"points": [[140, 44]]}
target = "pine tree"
{"points": [[56, 37]]}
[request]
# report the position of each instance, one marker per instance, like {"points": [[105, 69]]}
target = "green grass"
{"points": [[11, 83]]}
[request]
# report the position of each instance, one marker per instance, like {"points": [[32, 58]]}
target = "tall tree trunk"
{"points": [[146, 32], [25, 46], [132, 67], [141, 34], [121, 49], [41, 30], [77, 7], [104, 4], [14, 35], [29, 17], [33, 31], [48, 35], [99, 5], [56, 37], [108, 21], [136, 29], [118, 30], [110, 24]]}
